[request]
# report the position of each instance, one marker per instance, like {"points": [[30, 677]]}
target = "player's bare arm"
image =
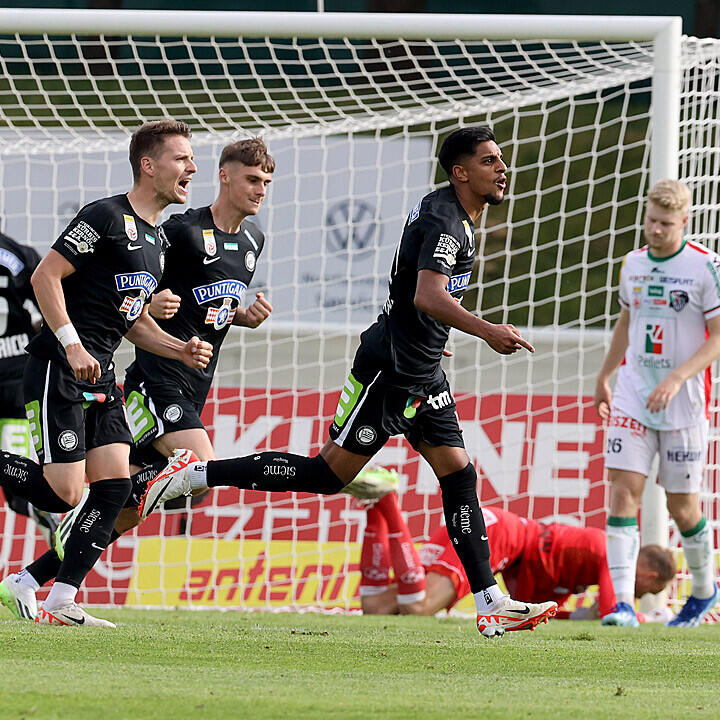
{"points": [[615, 354], [164, 304], [708, 352], [432, 298], [254, 315], [146, 334], [47, 284]]}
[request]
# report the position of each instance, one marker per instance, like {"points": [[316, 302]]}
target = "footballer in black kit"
{"points": [[127, 262], [397, 384], [210, 270], [17, 263]]}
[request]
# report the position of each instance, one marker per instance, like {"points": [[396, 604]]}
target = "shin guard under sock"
{"points": [[92, 530], [275, 472], [466, 526], [24, 478]]}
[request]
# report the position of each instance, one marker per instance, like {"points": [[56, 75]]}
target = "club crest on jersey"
{"points": [[678, 299], [458, 282], [250, 260], [209, 242], [130, 227], [220, 289], [221, 316]]}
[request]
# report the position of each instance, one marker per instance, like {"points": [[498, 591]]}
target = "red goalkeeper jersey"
{"points": [[538, 562]]}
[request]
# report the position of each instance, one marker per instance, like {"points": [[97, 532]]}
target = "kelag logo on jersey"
{"points": [[458, 282], [654, 339]]}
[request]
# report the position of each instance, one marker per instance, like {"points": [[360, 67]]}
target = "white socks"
{"points": [[623, 546], [25, 578], [61, 594], [698, 547], [197, 473], [486, 599]]}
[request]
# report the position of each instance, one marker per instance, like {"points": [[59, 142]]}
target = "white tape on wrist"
{"points": [[67, 335]]}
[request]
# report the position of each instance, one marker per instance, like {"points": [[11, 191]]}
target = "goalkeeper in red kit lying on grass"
{"points": [[538, 562]]}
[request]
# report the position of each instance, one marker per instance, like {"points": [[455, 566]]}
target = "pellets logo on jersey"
{"points": [[678, 299], [130, 227], [446, 249], [458, 282], [209, 242], [654, 339]]}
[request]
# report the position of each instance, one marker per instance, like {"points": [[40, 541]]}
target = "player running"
{"points": [[397, 384], [666, 338], [538, 562], [92, 289], [19, 321], [209, 265]]}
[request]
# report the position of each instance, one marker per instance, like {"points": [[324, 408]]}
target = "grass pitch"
{"points": [[234, 665]]}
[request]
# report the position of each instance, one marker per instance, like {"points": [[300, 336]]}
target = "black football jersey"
{"points": [[210, 270], [438, 235], [17, 263], [118, 259]]}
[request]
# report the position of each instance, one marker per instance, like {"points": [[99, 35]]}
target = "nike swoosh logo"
{"points": [[483, 537], [526, 611], [77, 621], [130, 246], [97, 547], [207, 261]]}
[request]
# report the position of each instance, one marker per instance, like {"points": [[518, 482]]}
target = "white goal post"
{"points": [[589, 111]]}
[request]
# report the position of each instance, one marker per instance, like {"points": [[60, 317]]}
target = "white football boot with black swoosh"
{"points": [[170, 483], [508, 614], [18, 598], [71, 614]]}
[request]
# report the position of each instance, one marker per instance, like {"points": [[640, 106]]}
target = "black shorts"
{"points": [[68, 417], [153, 411], [12, 402], [371, 409]]}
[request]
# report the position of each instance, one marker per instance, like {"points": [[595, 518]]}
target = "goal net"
{"points": [[353, 108]]}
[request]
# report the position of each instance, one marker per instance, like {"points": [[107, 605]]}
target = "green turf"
{"points": [[233, 665]]}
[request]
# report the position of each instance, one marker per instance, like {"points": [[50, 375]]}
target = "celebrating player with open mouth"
{"points": [[397, 384], [92, 289]]}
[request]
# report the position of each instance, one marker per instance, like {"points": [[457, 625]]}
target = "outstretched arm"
{"points": [[432, 298], [615, 354], [146, 334]]}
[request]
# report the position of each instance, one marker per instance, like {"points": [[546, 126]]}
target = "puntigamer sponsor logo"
{"points": [[221, 289], [136, 281], [458, 282]]}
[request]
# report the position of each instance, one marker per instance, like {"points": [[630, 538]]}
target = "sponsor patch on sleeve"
{"points": [[81, 238], [446, 249]]}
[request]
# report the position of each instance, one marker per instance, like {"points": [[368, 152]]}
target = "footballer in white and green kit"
{"points": [[665, 339]]}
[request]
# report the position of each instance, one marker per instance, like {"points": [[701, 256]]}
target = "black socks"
{"points": [[92, 529], [466, 526], [24, 478], [275, 472]]}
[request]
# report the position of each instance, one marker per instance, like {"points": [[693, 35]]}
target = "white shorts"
{"points": [[683, 453]]}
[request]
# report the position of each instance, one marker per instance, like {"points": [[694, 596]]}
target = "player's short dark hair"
{"points": [[146, 140], [252, 153], [661, 560], [462, 143]]}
